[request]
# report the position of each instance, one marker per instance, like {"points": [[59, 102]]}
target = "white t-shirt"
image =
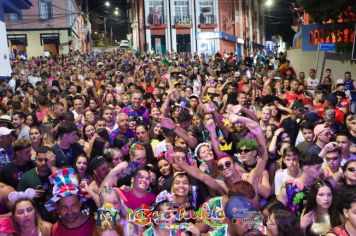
{"points": [[312, 85], [33, 80], [352, 157], [280, 178], [12, 85]]}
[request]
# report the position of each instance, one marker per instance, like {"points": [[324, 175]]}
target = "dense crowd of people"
{"points": [[128, 143]]}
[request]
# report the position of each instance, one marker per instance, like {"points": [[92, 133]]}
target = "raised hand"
{"points": [[307, 219], [232, 117], [254, 128], [234, 109], [51, 159], [210, 125]]}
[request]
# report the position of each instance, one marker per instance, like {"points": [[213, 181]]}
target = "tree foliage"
{"points": [[325, 10]]}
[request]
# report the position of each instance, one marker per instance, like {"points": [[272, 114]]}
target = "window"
{"points": [[45, 7], [181, 12], [206, 12], [156, 12], [15, 16]]}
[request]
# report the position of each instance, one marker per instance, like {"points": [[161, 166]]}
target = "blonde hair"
{"points": [[38, 220]]}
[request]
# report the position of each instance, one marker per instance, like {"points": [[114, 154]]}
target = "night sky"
{"points": [[97, 10], [278, 18]]}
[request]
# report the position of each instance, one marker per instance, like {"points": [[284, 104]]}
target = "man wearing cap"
{"points": [[5, 121], [291, 124], [330, 120], [100, 168], [236, 210], [322, 134], [67, 149], [67, 202], [330, 102], [11, 173], [194, 103], [6, 148]]}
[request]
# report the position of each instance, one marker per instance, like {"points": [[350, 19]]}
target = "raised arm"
{"points": [[211, 127], [179, 131], [262, 152], [112, 177], [195, 172], [165, 105], [238, 108]]}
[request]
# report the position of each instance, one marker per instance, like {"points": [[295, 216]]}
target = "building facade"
{"points": [[6, 7], [48, 27], [203, 26]]}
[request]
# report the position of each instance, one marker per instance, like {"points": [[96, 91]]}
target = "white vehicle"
{"points": [[124, 44]]}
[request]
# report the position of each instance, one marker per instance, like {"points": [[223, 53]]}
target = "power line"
{"points": [[37, 20]]}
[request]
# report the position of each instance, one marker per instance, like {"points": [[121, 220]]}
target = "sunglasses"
{"points": [[245, 150], [224, 166], [331, 158], [351, 169]]}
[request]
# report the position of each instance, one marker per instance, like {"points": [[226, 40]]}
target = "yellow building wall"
{"points": [[34, 47]]}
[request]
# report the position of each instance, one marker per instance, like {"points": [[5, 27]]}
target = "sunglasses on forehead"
{"points": [[225, 165]]}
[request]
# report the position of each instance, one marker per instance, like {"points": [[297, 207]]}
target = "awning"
{"points": [[15, 6], [20, 39]]}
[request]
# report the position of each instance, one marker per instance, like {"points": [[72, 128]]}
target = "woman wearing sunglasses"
{"points": [[350, 172]]}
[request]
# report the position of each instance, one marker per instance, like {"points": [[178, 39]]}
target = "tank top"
{"points": [[58, 229], [291, 98], [340, 231], [349, 85]]}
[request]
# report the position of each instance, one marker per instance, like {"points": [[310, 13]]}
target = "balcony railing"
{"points": [[182, 20], [207, 19], [156, 19]]}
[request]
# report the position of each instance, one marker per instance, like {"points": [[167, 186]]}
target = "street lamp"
{"points": [[269, 3], [107, 3], [116, 12]]}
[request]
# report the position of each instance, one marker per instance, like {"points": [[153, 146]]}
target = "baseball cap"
{"points": [[97, 162], [329, 114], [54, 91], [340, 81], [297, 105], [194, 96], [320, 128], [237, 74], [6, 119], [312, 117], [237, 207], [5, 131], [331, 98]]}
